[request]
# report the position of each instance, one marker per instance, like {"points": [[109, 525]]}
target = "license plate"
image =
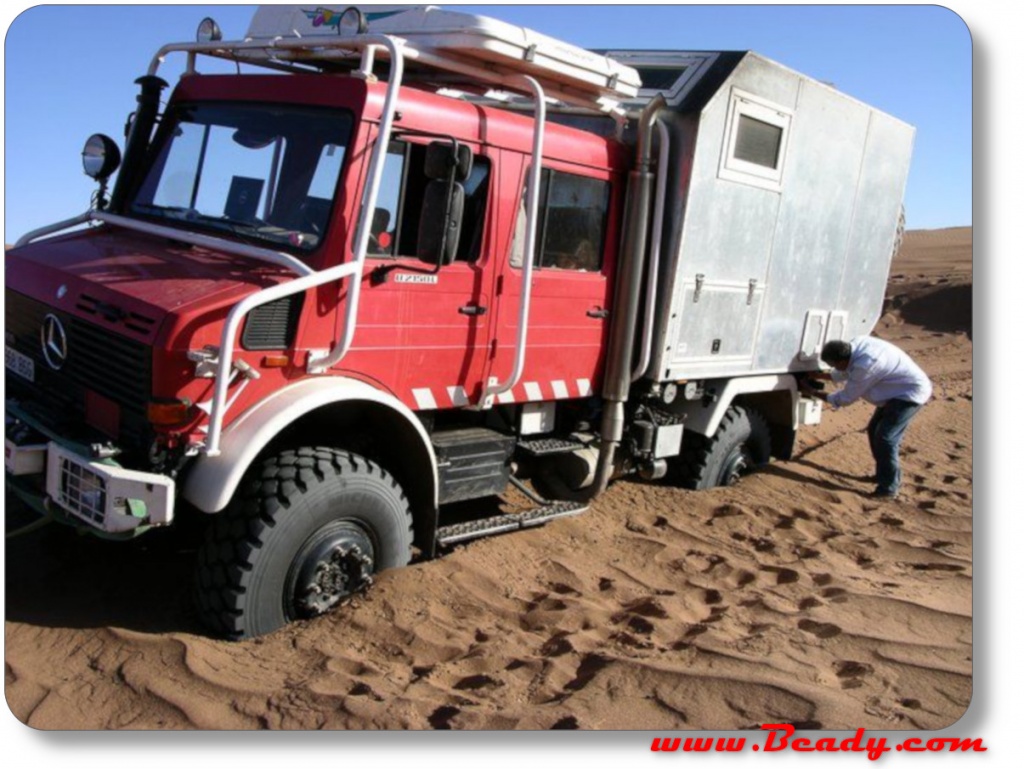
{"points": [[19, 363]]}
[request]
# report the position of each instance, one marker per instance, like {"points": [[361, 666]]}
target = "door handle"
{"points": [[598, 312], [472, 309]]}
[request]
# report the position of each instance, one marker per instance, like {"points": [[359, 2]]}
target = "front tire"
{"points": [[306, 529], [741, 444]]}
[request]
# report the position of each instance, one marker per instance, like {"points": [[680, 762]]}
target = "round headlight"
{"points": [[100, 157], [208, 31]]}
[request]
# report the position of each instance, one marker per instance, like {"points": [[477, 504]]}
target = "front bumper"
{"points": [[101, 494]]}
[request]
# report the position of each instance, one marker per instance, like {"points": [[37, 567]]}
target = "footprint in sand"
{"points": [[717, 612], [935, 566], [364, 690], [809, 603], [636, 624], [695, 631], [545, 602], [557, 645], [569, 722], [744, 578], [851, 673], [473, 683], [562, 589], [589, 666], [782, 576], [442, 717], [819, 629]]}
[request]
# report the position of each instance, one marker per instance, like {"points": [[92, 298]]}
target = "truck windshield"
{"points": [[266, 174]]}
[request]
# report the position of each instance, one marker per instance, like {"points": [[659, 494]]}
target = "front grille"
{"points": [[133, 321], [99, 360]]}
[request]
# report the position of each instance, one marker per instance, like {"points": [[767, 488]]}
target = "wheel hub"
{"points": [[737, 465], [336, 564]]}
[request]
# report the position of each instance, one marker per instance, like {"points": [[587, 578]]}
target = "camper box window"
{"points": [[754, 150]]}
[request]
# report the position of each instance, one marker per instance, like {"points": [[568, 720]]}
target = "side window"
{"points": [[384, 226], [395, 225], [756, 137], [572, 221]]}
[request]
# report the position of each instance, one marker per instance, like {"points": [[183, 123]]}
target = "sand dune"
{"points": [[789, 597]]}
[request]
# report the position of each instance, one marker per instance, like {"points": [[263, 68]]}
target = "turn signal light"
{"points": [[275, 361], [168, 413]]}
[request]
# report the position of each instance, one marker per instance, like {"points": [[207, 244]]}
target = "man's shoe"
{"points": [[883, 494]]}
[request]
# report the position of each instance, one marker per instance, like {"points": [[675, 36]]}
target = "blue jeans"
{"points": [[885, 433]]}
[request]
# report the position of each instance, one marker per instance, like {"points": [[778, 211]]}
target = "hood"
{"points": [[130, 282]]}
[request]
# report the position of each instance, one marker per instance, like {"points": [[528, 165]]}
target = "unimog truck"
{"points": [[405, 257]]}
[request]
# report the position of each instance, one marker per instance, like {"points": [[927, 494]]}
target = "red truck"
{"points": [[305, 309]]}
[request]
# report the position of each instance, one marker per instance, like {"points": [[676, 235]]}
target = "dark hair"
{"points": [[836, 351]]}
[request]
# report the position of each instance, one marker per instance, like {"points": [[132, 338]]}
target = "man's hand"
{"points": [[821, 376], [813, 393]]}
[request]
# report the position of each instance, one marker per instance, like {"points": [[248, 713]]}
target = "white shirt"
{"points": [[880, 372]]}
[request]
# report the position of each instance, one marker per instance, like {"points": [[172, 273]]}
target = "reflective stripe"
{"points": [[458, 396], [424, 398]]}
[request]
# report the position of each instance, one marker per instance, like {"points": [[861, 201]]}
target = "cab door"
{"points": [[425, 333], [570, 306]]}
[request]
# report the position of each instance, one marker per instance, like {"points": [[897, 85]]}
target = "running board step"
{"points": [[460, 532], [545, 447]]}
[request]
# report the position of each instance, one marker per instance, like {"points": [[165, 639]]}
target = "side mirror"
{"points": [[447, 165], [444, 157], [100, 157]]}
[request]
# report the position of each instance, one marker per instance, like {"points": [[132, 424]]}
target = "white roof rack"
{"points": [[477, 47]]}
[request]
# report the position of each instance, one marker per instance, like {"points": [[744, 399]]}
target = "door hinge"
{"points": [[698, 287], [751, 288]]}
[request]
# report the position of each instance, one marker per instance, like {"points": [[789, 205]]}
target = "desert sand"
{"points": [[790, 597]]}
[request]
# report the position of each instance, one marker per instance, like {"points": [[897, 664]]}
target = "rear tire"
{"points": [[306, 529], [741, 444]]}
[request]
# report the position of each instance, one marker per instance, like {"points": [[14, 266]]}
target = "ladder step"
{"points": [[461, 532], [543, 447]]}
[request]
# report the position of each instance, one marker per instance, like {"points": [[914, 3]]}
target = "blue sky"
{"points": [[62, 84]]}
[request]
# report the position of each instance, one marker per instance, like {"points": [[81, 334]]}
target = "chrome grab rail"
{"points": [[533, 196], [234, 321]]}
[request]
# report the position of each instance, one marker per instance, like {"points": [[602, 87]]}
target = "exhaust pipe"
{"points": [[150, 87], [629, 279]]}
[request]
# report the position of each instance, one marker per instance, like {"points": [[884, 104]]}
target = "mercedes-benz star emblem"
{"points": [[54, 341]]}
